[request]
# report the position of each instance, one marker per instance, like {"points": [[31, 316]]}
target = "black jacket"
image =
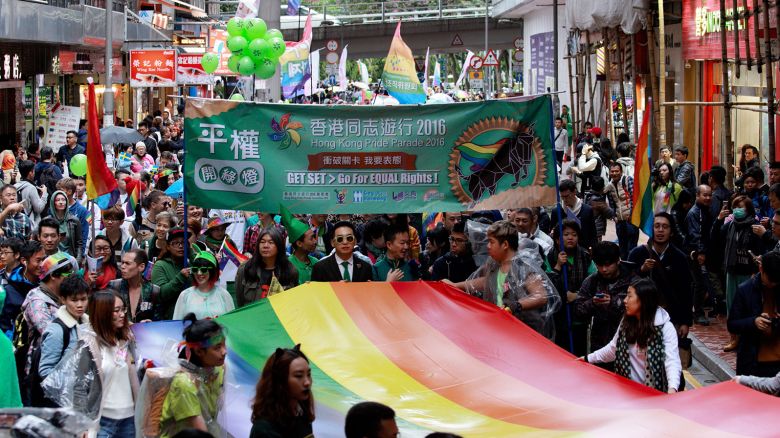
{"points": [[748, 305], [453, 267], [605, 320], [698, 226], [587, 224], [673, 280], [328, 270]]}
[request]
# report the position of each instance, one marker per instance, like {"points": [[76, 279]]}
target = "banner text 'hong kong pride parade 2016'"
{"points": [[364, 159]]}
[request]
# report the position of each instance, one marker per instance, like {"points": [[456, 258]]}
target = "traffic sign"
{"points": [[332, 57], [457, 41], [518, 56], [518, 42], [332, 45], [490, 59], [475, 63]]}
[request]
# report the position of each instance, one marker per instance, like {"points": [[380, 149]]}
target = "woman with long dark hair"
{"points": [[644, 348], [267, 272], [283, 404], [665, 190], [100, 380]]}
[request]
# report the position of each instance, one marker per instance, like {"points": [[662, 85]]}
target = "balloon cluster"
{"points": [[255, 48]]}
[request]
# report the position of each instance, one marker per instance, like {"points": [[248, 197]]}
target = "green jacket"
{"points": [[384, 265], [172, 282]]}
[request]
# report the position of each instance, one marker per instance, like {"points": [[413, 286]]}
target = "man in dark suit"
{"points": [[582, 213], [342, 264]]}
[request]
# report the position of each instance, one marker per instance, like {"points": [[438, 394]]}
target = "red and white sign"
{"points": [[152, 68], [701, 30], [189, 70], [457, 41], [218, 44], [332, 45], [475, 63], [491, 60]]}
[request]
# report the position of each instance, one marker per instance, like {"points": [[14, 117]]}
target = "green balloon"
{"points": [[246, 66], [259, 48], [233, 63], [265, 68], [236, 44], [237, 97], [255, 28], [78, 165], [209, 62], [273, 33], [235, 26], [277, 47]]}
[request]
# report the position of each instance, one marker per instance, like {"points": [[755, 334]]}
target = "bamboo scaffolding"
{"points": [[622, 71], [610, 125], [726, 94], [736, 38], [589, 73], [770, 92], [747, 34], [662, 71]]}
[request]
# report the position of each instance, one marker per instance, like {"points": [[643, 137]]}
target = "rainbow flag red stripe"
{"points": [[446, 361], [101, 184], [642, 214]]}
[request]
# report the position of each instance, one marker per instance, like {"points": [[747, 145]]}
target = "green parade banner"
{"points": [[366, 159]]}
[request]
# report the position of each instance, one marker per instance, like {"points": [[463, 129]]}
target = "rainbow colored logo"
{"points": [[285, 131]]}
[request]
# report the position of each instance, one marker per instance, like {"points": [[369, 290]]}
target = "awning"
{"points": [[592, 15]]}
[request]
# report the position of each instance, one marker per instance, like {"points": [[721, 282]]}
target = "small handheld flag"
{"points": [[229, 252]]}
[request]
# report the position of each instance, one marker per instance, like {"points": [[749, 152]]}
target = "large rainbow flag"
{"points": [[642, 214], [446, 361], [101, 184]]}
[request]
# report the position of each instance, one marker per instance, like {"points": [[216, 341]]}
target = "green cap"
{"points": [[207, 256], [295, 228]]}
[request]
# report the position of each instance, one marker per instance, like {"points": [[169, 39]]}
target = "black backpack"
{"points": [[34, 379]]}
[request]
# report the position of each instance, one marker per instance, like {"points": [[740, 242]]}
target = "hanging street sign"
{"points": [[457, 41]]}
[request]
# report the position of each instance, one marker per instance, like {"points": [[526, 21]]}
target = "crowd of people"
{"points": [[76, 277]]}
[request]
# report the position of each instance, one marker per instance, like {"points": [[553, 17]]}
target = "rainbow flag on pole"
{"points": [[101, 184], [134, 190], [229, 252], [400, 76], [642, 214], [450, 362]]}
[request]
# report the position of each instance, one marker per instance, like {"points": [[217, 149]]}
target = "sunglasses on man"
{"points": [[349, 238]]}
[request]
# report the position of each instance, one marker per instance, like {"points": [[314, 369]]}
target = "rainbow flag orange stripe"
{"points": [[134, 189], [101, 184], [642, 214], [446, 361]]}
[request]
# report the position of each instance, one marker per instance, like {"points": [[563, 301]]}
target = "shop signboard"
{"points": [[190, 72], [152, 68], [218, 44], [542, 62], [701, 30], [61, 120]]}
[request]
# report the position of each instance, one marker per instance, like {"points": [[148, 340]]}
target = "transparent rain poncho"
{"points": [[175, 389], [524, 279], [43, 423]]}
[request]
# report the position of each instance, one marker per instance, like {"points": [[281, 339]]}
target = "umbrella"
{"points": [[360, 85], [118, 134], [383, 100], [176, 189], [440, 98]]}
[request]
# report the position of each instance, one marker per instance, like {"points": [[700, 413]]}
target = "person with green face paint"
{"points": [[735, 229], [205, 299]]}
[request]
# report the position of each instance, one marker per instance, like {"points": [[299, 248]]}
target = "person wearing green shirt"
{"points": [[303, 241], [394, 266], [9, 384], [566, 116]]}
